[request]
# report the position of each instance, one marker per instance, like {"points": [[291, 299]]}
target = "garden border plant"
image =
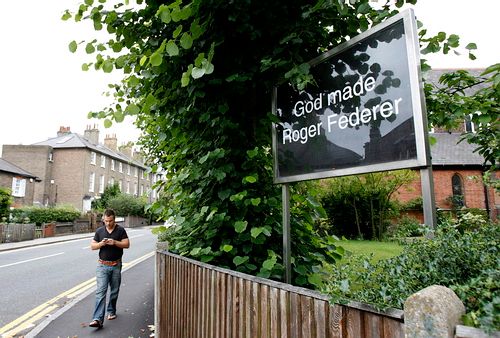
{"points": [[465, 260]]}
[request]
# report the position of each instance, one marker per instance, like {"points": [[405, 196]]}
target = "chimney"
{"points": [[138, 156], [92, 134], [126, 149], [63, 131], [111, 142]]}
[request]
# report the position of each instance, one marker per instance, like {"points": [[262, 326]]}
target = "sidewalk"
{"points": [[42, 241], [135, 310]]}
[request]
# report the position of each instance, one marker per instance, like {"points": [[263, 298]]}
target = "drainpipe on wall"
{"points": [[486, 198]]}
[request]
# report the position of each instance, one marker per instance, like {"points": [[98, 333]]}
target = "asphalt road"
{"points": [[37, 282]]}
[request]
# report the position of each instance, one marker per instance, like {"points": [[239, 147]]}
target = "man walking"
{"points": [[110, 240]]}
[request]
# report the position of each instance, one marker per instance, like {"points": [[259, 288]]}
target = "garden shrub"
{"points": [[5, 201], [461, 261], [110, 192], [407, 226], [41, 215], [413, 204], [481, 297], [127, 205], [361, 206]]}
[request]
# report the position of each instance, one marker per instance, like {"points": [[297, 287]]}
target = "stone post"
{"points": [[432, 312]]}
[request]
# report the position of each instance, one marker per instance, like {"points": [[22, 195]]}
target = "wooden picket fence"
{"points": [[194, 300], [16, 232]]}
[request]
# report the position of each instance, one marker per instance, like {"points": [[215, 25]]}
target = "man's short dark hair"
{"points": [[109, 213]]}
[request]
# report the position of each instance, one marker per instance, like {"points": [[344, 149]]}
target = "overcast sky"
{"points": [[42, 86]]}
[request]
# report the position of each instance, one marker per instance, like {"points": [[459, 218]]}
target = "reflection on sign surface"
{"points": [[358, 113]]}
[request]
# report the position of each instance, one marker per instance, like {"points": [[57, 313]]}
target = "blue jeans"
{"points": [[107, 275]]}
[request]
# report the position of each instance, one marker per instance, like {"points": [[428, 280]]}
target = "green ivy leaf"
{"points": [[238, 196], [252, 153], [315, 279], [204, 158], [66, 16], [171, 48], [269, 263], [177, 32], [227, 248], [107, 66], [223, 194], [156, 59], [255, 201], [238, 260], [176, 14], [185, 12], [73, 46], [196, 73], [117, 47], [256, 231], [143, 60], [132, 109], [164, 14], [208, 67], [185, 79], [453, 40], [133, 81], [107, 123], [186, 40], [89, 48], [220, 175], [364, 8], [195, 251], [119, 116], [195, 30], [471, 46], [249, 179], [240, 226]]}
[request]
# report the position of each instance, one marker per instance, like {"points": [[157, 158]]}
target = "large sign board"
{"points": [[364, 112]]}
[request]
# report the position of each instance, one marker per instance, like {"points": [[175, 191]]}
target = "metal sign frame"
{"points": [[417, 104], [422, 160]]}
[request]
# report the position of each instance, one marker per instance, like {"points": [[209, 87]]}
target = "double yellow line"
{"points": [[30, 318]]}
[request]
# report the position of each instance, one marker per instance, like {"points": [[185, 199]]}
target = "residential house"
{"points": [[19, 181], [75, 169], [458, 178], [457, 169]]}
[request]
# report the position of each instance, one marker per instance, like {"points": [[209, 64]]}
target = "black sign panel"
{"points": [[358, 116]]}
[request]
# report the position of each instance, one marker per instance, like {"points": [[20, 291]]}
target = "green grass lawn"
{"points": [[380, 250]]}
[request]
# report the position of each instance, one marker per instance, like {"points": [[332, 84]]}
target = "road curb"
{"points": [[23, 245]]}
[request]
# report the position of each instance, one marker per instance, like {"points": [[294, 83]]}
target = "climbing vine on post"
{"points": [[198, 77]]}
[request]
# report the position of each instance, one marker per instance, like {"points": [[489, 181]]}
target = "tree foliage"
{"points": [[450, 103], [198, 77], [127, 205], [361, 206], [110, 192], [5, 202]]}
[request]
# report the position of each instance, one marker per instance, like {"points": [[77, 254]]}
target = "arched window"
{"points": [[457, 187]]}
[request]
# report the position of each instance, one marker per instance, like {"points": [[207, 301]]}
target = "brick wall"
{"points": [[69, 175], [6, 182], [34, 159], [472, 185]]}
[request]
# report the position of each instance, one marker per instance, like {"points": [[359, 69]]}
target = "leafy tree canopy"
{"points": [[198, 77]]}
